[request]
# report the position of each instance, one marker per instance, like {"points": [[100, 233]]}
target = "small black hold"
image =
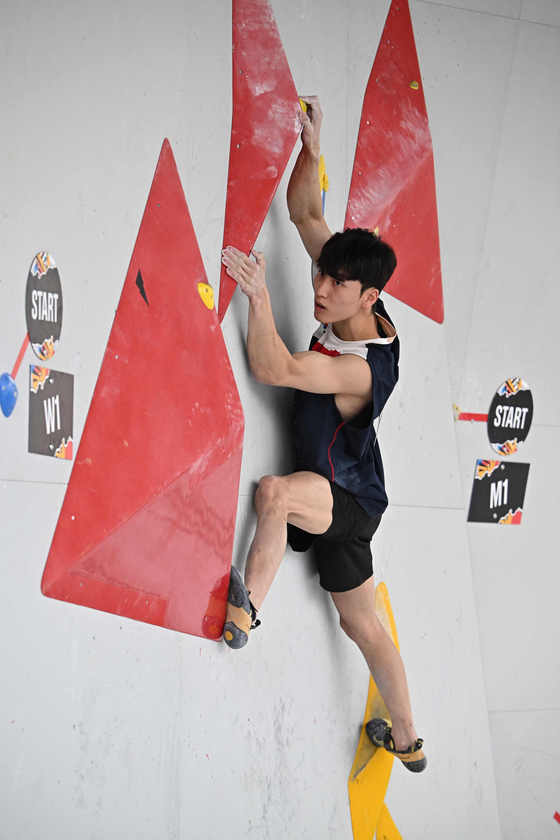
{"points": [[140, 284]]}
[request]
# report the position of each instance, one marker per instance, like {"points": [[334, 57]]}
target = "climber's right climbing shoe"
{"points": [[378, 731], [241, 616]]}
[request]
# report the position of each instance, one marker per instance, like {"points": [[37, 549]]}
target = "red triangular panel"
{"points": [[146, 528], [393, 185], [265, 127]]}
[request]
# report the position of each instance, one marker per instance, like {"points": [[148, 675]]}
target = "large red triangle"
{"points": [[265, 127], [393, 184], [146, 528]]}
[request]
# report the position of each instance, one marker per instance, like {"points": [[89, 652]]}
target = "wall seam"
{"points": [[474, 11], [461, 381]]}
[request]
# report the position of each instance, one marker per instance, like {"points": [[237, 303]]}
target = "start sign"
{"points": [[43, 306], [510, 416]]}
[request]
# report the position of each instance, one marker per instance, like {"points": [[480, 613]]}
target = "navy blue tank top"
{"points": [[347, 453]]}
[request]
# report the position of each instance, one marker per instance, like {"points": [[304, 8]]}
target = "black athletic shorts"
{"points": [[343, 552]]}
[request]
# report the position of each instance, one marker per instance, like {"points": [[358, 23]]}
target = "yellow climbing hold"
{"points": [[303, 105], [372, 767], [323, 177], [414, 85], [386, 828], [206, 292]]}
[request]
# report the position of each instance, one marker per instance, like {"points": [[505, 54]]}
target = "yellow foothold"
{"points": [[303, 105], [206, 292], [323, 177], [376, 231], [456, 412], [372, 767], [414, 85], [228, 635], [386, 828]]}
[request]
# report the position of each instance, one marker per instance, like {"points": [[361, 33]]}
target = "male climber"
{"points": [[335, 500]]}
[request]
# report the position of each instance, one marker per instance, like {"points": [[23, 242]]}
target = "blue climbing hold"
{"points": [[8, 394]]}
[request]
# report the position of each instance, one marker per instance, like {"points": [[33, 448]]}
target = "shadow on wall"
{"points": [[289, 294]]}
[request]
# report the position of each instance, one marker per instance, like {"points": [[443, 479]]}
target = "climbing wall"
{"points": [[113, 726]]}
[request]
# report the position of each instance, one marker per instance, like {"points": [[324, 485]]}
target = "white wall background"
{"points": [[113, 729]]}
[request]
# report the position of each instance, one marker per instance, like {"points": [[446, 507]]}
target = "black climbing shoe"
{"points": [[241, 615], [378, 731]]}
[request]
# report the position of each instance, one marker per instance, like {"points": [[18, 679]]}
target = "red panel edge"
{"points": [[139, 606]]}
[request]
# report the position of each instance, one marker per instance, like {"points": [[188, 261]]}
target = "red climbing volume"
{"points": [[146, 528], [393, 185], [264, 130]]}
